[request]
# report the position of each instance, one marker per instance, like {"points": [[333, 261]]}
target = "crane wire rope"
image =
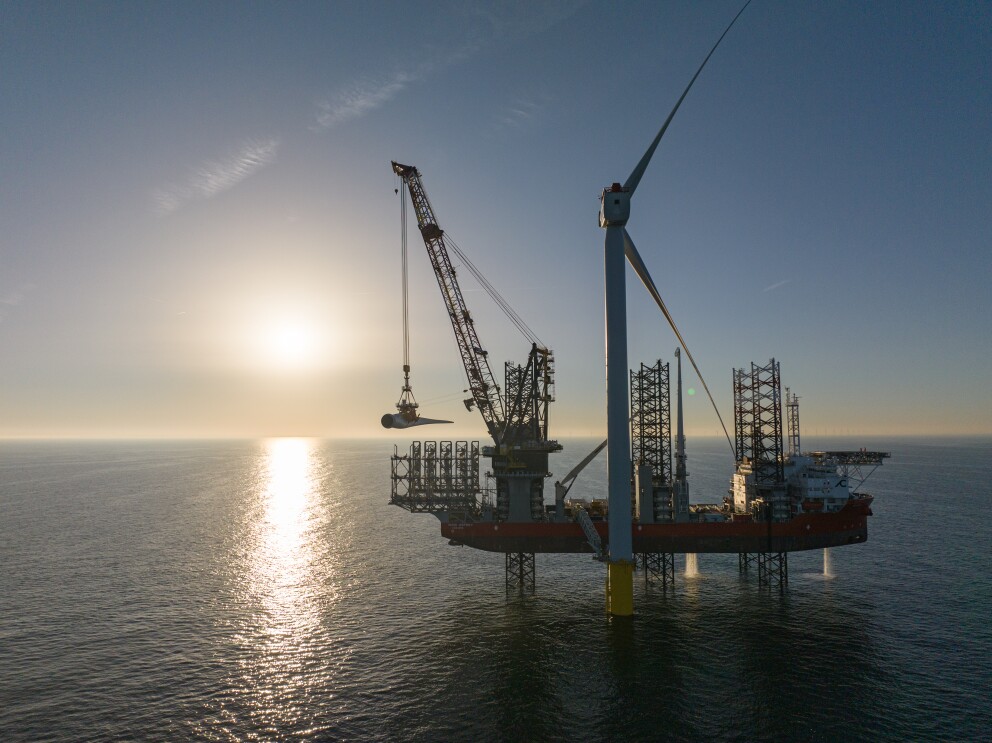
{"points": [[406, 281], [448, 397], [510, 313]]}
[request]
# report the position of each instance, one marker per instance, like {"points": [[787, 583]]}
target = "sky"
{"points": [[201, 235]]}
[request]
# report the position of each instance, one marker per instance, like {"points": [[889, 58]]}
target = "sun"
{"points": [[290, 343]]}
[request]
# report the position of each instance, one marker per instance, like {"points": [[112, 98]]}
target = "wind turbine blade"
{"points": [[635, 176], [397, 420], [634, 258], [428, 421]]}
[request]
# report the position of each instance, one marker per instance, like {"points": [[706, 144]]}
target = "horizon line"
{"points": [[380, 437]]}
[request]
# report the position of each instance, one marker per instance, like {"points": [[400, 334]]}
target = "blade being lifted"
{"points": [[634, 258], [401, 420]]}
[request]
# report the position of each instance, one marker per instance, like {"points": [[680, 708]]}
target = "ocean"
{"points": [[265, 590]]}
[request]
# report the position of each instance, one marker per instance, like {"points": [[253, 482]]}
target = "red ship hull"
{"points": [[806, 531]]}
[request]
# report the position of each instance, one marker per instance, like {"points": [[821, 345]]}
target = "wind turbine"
{"points": [[613, 216]]}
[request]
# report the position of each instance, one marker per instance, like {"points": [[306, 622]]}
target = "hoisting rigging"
{"points": [[406, 406]]}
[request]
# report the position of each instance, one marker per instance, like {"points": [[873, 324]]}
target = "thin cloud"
{"points": [[215, 176], [776, 285], [483, 26], [361, 98], [518, 113], [369, 93], [14, 298]]}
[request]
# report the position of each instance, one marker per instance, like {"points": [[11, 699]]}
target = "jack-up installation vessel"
{"points": [[781, 500]]}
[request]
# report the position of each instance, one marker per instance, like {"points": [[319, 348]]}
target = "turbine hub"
{"points": [[614, 207]]}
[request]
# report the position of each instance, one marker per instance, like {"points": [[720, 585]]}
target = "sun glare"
{"points": [[290, 344]]}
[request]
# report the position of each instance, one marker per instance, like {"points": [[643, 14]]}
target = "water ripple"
{"points": [[266, 591]]}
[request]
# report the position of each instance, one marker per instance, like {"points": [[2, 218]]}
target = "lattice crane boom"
{"points": [[482, 385]]}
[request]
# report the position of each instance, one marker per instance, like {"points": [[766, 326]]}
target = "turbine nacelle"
{"points": [[614, 209]]}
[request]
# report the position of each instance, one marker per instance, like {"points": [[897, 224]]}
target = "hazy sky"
{"points": [[200, 234]]}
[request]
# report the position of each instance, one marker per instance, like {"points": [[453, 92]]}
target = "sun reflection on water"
{"points": [[287, 582], [288, 492]]}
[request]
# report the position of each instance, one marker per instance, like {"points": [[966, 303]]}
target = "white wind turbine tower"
{"points": [[613, 216]]}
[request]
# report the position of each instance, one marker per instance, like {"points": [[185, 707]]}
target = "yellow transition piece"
{"points": [[620, 588]]}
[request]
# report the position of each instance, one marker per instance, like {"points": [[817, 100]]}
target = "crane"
{"points": [[482, 385], [517, 421]]}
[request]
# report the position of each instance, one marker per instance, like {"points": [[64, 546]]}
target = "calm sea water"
{"points": [[266, 591]]}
